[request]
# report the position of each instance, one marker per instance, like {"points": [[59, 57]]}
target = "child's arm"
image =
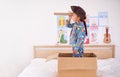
{"points": [[68, 24]]}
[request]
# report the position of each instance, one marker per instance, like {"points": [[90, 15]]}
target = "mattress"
{"points": [[40, 68]]}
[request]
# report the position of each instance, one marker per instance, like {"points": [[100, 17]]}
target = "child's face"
{"points": [[75, 18]]}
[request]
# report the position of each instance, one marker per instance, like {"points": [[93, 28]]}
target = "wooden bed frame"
{"points": [[102, 51], [45, 51]]}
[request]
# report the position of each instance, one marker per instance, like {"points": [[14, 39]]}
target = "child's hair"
{"points": [[85, 26]]}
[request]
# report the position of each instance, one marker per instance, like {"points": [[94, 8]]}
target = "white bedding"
{"points": [[40, 68]]}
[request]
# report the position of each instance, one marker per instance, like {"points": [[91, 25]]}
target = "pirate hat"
{"points": [[79, 11]]}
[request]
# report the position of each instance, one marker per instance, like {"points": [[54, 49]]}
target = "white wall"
{"points": [[25, 23]]}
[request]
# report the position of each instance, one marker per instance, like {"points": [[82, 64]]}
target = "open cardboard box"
{"points": [[69, 66]]}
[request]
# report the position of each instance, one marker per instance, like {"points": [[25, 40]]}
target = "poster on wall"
{"points": [[103, 19], [93, 21], [62, 31]]}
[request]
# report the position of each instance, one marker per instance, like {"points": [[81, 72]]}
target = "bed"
{"points": [[43, 64]]}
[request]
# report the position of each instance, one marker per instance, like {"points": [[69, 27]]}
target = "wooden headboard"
{"points": [[44, 51], [102, 51]]}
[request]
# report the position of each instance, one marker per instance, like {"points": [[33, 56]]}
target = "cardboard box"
{"points": [[69, 66], [77, 73]]}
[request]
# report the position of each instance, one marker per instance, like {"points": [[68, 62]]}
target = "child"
{"points": [[79, 30]]}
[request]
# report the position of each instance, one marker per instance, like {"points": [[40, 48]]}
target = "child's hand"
{"points": [[69, 18], [75, 51], [70, 15]]}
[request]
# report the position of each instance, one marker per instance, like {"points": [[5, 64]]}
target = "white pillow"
{"points": [[38, 60]]}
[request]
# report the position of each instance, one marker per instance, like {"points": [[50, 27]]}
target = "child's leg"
{"points": [[79, 54], [75, 55]]}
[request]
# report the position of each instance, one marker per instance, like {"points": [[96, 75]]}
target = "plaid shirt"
{"points": [[77, 36]]}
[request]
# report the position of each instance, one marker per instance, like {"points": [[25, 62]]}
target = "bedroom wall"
{"points": [[25, 23]]}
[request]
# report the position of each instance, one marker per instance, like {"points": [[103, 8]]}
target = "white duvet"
{"points": [[40, 68]]}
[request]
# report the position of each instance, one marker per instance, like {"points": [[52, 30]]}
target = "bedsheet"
{"points": [[40, 68]]}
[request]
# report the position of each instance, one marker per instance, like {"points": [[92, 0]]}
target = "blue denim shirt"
{"points": [[77, 36]]}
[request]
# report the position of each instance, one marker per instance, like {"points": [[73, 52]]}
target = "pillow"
{"points": [[53, 56], [38, 61]]}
